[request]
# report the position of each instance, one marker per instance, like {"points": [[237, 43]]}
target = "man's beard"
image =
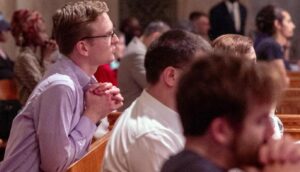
{"points": [[245, 152]]}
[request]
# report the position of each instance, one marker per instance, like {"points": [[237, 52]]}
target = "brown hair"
{"points": [[25, 27], [224, 86], [232, 44], [70, 23]]}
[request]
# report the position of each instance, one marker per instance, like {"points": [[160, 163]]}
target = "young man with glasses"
{"points": [[57, 123]]}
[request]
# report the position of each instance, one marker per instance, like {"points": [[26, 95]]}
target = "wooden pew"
{"points": [[112, 118], [294, 83], [291, 123], [292, 75], [8, 89], [92, 161], [290, 102], [288, 106]]}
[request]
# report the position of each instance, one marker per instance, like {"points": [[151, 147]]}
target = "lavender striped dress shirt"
{"points": [[50, 132]]}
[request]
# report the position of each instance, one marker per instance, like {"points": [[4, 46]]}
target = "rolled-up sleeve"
{"points": [[60, 142]]}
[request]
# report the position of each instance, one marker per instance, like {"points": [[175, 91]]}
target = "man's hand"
{"points": [[280, 151], [101, 99], [280, 155]]}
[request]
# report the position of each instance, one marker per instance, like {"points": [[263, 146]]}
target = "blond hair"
{"points": [[233, 44]]}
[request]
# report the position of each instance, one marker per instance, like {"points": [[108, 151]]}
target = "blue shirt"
{"points": [[190, 161], [268, 49]]}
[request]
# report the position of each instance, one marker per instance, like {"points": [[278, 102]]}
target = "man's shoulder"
{"points": [[218, 6], [189, 161], [57, 79], [268, 43]]}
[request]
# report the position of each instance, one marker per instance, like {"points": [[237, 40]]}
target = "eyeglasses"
{"points": [[109, 35]]}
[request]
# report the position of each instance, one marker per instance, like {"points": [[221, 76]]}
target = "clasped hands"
{"points": [[101, 99]]}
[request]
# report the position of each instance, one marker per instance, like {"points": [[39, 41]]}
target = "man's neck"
{"points": [[164, 95], [280, 39], [85, 66], [203, 146]]}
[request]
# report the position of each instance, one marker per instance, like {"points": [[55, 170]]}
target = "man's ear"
{"points": [[221, 131], [169, 76], [277, 24], [82, 48]]}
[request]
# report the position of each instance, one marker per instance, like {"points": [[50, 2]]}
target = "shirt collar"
{"points": [[166, 115], [83, 78], [231, 5]]}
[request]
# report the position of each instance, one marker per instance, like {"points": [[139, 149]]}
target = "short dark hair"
{"points": [[174, 48], [224, 86], [196, 14], [265, 19]]}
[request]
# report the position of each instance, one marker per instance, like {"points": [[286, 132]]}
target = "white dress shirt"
{"points": [[145, 135], [234, 9]]}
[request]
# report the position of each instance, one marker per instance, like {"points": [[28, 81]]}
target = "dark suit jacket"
{"points": [[222, 22]]}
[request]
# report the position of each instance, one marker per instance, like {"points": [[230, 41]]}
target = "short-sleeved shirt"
{"points": [[189, 161], [268, 49]]}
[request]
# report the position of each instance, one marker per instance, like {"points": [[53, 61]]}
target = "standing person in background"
{"points": [[200, 24], [131, 28], [229, 16], [278, 25], [131, 73], [29, 31], [57, 123]]}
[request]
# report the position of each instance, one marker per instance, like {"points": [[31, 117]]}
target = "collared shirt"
{"points": [[234, 10], [132, 73], [145, 135], [50, 132]]}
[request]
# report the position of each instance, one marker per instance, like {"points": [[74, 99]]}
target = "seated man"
{"points": [[149, 131], [225, 118], [131, 73], [57, 123], [242, 46]]}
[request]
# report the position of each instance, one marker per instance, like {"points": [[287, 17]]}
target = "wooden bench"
{"points": [[8, 89], [288, 106], [92, 161], [291, 123], [112, 118], [292, 75], [294, 83]]}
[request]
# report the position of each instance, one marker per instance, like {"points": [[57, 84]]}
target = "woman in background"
{"points": [[278, 27], [29, 31]]}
